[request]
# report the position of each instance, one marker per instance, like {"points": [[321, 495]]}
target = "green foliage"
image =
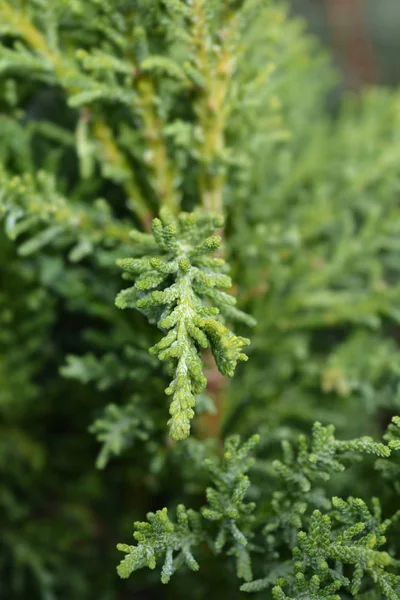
{"points": [[300, 474], [393, 434], [174, 280], [160, 536], [355, 542], [311, 589], [117, 429], [348, 534], [390, 468], [192, 145], [225, 506]]}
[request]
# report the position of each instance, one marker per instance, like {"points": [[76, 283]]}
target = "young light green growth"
{"points": [[178, 283]]}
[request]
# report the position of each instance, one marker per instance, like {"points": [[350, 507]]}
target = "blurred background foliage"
{"points": [[363, 35]]}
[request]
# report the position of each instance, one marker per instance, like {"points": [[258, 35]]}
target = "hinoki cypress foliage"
{"points": [[184, 247], [177, 200]]}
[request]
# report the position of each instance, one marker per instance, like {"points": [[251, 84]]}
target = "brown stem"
{"points": [[352, 42], [210, 425]]}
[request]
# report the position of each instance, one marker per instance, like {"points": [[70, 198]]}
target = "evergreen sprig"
{"points": [[160, 536], [225, 506], [177, 286], [303, 589], [117, 430], [302, 471], [350, 536], [355, 543], [392, 435], [226, 502], [390, 467]]}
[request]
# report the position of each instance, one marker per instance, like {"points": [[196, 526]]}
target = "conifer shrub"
{"points": [[199, 308]]}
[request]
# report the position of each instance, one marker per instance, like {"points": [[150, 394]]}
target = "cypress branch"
{"points": [[173, 285]]}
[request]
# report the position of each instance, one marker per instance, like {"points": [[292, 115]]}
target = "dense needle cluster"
{"points": [[177, 286]]}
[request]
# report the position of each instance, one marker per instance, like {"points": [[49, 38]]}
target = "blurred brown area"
{"points": [[364, 36]]}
